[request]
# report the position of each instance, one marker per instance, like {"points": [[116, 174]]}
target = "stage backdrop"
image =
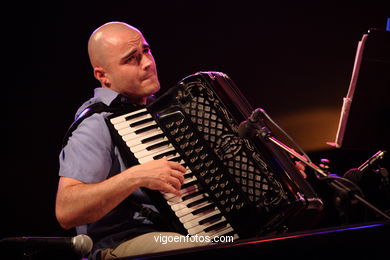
{"points": [[292, 59]]}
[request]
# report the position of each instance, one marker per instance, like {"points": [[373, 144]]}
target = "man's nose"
{"points": [[146, 61]]}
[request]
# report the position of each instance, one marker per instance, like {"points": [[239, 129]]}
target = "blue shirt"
{"points": [[90, 156]]}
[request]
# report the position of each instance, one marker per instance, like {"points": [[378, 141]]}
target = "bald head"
{"points": [[107, 37], [122, 61]]}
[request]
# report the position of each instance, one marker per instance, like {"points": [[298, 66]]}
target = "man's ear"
{"points": [[100, 75]]}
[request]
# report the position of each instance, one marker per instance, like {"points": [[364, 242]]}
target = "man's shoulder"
{"points": [[101, 96], [90, 117], [86, 106]]}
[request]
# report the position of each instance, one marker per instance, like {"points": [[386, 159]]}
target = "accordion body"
{"points": [[237, 186]]}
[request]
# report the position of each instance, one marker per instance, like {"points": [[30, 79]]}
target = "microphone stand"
{"points": [[339, 187]]}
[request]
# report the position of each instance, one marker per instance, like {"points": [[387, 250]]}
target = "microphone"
{"points": [[356, 174], [247, 127], [256, 115], [372, 161], [81, 244]]}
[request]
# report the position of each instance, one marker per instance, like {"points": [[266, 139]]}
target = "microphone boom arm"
{"points": [[265, 134]]}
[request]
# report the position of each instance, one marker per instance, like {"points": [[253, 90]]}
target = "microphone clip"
{"points": [[264, 132]]}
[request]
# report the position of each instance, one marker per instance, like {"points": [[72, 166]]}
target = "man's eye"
{"points": [[147, 50], [130, 58]]}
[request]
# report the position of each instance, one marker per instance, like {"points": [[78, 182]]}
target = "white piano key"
{"points": [[177, 199], [129, 130], [168, 196], [127, 123], [222, 233], [135, 128], [125, 131], [195, 222], [149, 158], [190, 217], [180, 204], [140, 147], [188, 170], [185, 211], [218, 232], [185, 191], [199, 228], [122, 118], [190, 179], [175, 156], [155, 152], [139, 137]]}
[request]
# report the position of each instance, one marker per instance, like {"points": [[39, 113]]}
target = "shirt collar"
{"points": [[106, 95]]}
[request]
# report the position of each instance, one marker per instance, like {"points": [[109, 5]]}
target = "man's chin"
{"points": [[152, 87]]}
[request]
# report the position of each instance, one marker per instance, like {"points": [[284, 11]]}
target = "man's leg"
{"points": [[152, 243]]}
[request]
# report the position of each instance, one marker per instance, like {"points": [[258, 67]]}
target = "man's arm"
{"points": [[79, 203]]}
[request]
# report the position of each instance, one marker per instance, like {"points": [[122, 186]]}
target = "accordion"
{"points": [[233, 186]]}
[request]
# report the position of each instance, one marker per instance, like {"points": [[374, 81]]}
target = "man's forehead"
{"points": [[125, 38], [136, 40]]}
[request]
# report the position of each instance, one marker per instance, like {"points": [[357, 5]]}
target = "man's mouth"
{"points": [[148, 76]]}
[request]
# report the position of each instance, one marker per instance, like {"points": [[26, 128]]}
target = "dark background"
{"points": [[292, 59]]}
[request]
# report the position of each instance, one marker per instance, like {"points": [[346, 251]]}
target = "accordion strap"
{"points": [[87, 112]]}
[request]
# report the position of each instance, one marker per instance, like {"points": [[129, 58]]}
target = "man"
{"points": [[94, 183]]}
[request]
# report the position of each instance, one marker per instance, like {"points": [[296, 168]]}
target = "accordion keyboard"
{"points": [[147, 141]]}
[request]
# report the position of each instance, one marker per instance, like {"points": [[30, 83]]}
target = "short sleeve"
{"points": [[87, 156]]}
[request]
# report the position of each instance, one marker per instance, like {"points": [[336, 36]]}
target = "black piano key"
{"points": [[188, 175], [193, 204], [136, 115], [159, 156], [142, 130], [177, 159], [209, 219], [185, 185], [152, 138], [215, 226], [189, 196], [141, 122], [203, 209], [155, 146]]}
